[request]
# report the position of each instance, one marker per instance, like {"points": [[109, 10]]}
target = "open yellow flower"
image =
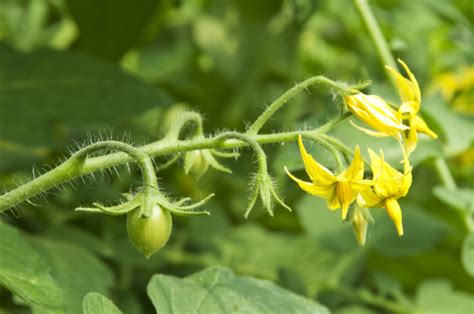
{"points": [[410, 95], [339, 191], [388, 186], [376, 113]]}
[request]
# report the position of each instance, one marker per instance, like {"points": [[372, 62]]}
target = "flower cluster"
{"points": [[386, 185]]}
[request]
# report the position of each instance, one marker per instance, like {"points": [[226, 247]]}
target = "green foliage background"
{"points": [[73, 71]]}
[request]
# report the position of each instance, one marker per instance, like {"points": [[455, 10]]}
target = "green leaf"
{"points": [[252, 250], [459, 198], [57, 95], [438, 297], [467, 254], [456, 129], [110, 37], [26, 274], [219, 290], [76, 270], [96, 303]]}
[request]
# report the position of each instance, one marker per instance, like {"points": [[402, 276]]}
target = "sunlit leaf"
{"points": [[27, 274], [218, 290], [95, 303]]}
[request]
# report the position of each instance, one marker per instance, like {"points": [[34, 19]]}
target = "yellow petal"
{"points": [[367, 198], [356, 169], [395, 213], [376, 113], [416, 87], [411, 140], [345, 195], [361, 185], [422, 127], [370, 132], [317, 172], [387, 180], [323, 191], [333, 202], [407, 88], [376, 163], [409, 108]]}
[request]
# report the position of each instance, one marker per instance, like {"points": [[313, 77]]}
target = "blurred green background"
{"points": [[73, 71]]}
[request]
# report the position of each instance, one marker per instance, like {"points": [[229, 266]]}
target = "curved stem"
{"points": [[283, 99], [150, 183], [330, 147], [69, 170], [261, 157], [183, 119]]}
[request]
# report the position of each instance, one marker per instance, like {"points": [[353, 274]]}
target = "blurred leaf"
{"points": [[26, 274], [110, 37], [95, 303], [467, 254], [218, 290], [457, 130], [422, 231], [459, 198], [253, 251], [438, 297], [57, 95], [76, 270]]}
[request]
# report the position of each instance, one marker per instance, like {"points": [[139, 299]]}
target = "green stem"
{"points": [[444, 174], [150, 183], [387, 58], [70, 170], [376, 34], [180, 123], [330, 148], [283, 99]]}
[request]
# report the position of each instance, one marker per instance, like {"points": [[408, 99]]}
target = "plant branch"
{"points": [[341, 88]]}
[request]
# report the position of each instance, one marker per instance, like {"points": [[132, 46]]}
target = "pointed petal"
{"points": [[422, 127], [416, 87], [361, 185], [395, 213], [345, 196], [367, 198], [313, 189], [370, 132], [356, 169], [376, 164], [407, 90], [333, 202], [317, 172], [412, 138]]}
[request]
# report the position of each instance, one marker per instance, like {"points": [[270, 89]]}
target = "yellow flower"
{"points": [[388, 186], [410, 95], [339, 191], [457, 88], [375, 112]]}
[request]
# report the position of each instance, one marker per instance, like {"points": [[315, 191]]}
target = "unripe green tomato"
{"points": [[149, 235]]}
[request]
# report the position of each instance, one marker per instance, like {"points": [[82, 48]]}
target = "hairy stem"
{"points": [[283, 99], [150, 183], [180, 123], [70, 169]]}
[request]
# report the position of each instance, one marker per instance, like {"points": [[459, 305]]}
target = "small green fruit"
{"points": [[149, 235]]}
